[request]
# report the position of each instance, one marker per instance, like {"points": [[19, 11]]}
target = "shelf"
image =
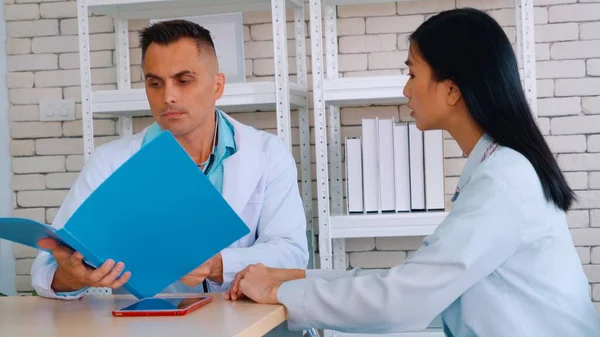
{"points": [[159, 9], [237, 97], [361, 2], [383, 225], [352, 91]]}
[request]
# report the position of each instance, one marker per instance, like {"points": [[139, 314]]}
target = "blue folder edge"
{"points": [[28, 232]]}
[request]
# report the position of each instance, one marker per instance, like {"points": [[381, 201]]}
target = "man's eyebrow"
{"points": [[184, 72], [179, 74], [151, 75]]}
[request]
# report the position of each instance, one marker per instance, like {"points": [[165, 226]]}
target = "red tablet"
{"points": [[167, 306]]}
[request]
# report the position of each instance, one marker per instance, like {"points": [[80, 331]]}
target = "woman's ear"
{"points": [[453, 93]]}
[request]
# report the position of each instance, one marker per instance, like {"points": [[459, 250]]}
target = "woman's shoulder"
{"points": [[510, 171]]}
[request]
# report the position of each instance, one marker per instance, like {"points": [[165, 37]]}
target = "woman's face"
{"points": [[427, 98]]}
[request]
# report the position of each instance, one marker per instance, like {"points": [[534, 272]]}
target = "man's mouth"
{"points": [[173, 113]]}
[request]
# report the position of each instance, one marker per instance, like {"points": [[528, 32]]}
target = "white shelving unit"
{"points": [[330, 93], [279, 95], [384, 225]]}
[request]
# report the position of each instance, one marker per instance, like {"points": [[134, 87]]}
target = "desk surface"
{"points": [[92, 316]]}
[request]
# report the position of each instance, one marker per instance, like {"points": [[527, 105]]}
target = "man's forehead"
{"points": [[184, 53]]}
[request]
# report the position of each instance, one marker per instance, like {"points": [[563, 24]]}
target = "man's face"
{"points": [[182, 86]]}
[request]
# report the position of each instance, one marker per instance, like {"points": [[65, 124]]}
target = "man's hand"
{"points": [[211, 269], [261, 283], [72, 274]]}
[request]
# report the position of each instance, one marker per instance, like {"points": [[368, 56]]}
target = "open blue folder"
{"points": [[157, 213]]}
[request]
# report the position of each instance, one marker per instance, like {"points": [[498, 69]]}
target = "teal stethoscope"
{"points": [[205, 167]]}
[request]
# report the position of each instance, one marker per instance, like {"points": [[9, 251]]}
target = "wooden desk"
{"points": [[92, 316]]}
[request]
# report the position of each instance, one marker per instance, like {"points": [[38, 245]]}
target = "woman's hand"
{"points": [[261, 283]]}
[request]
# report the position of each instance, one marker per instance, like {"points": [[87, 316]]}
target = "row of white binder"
{"points": [[394, 167]]}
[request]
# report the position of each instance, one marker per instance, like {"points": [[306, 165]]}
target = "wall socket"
{"points": [[57, 110]]}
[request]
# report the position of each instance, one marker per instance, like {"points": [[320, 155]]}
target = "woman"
{"points": [[502, 263]]}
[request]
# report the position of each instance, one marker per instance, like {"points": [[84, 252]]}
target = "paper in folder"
{"points": [[157, 213]]}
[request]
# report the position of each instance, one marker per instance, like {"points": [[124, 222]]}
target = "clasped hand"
{"points": [[260, 283]]}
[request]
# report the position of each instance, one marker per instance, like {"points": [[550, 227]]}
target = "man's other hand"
{"points": [[73, 274], [211, 269]]}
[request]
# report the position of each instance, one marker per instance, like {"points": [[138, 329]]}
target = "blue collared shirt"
{"points": [[501, 264], [224, 147]]}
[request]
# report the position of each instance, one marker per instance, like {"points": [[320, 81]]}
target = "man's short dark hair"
{"points": [[166, 32]]}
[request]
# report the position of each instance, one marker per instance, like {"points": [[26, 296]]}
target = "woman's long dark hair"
{"points": [[470, 48]]}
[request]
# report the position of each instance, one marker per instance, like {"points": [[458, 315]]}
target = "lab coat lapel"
{"points": [[243, 170]]}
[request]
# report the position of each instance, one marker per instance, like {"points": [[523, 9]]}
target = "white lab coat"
{"points": [[259, 182]]}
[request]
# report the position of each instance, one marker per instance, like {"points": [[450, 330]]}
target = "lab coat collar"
{"points": [[243, 170], [484, 147]]}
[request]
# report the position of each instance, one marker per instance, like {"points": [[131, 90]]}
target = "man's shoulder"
{"points": [[268, 142], [118, 150]]}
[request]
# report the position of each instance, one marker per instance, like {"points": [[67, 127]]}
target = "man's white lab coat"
{"points": [[259, 182]]}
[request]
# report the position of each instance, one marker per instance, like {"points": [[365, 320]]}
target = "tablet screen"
{"points": [[174, 303]]}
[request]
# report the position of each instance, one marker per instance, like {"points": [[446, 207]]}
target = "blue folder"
{"points": [[157, 213]]}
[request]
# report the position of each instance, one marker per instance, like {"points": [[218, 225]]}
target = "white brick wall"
{"points": [[559, 106], [32, 28], [589, 31], [574, 12], [557, 32], [591, 105], [43, 63], [21, 12], [593, 67]]}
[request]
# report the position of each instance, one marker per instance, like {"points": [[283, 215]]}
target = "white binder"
{"points": [[401, 167], [434, 169], [417, 174], [354, 179], [386, 165], [370, 164]]}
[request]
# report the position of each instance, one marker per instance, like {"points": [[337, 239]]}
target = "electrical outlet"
{"points": [[57, 110]]}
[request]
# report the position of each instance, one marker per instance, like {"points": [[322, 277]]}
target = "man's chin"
{"points": [[176, 130]]}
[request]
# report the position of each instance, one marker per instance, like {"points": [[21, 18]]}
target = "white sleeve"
{"points": [[333, 274], [481, 232], [94, 172]]}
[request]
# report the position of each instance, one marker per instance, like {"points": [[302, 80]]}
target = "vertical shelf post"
{"points": [[281, 71], [123, 70], [316, 34], [86, 81], [526, 51], [334, 125], [304, 130]]}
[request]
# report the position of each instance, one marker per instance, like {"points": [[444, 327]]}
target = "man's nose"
{"points": [[170, 94]]}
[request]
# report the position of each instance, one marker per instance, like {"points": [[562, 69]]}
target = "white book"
{"points": [[401, 168], [370, 164], [417, 174], [386, 165], [434, 169], [354, 179]]}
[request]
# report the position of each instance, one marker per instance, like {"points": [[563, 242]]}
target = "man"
{"points": [[252, 169]]}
